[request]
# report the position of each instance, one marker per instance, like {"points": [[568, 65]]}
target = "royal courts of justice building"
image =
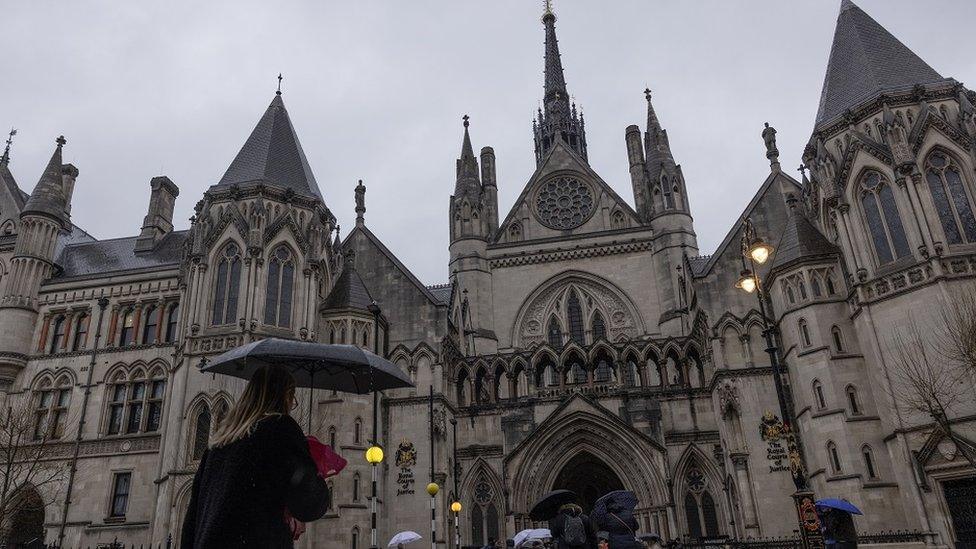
{"points": [[582, 340]]}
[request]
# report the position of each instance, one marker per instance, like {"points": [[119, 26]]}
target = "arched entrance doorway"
{"points": [[589, 477], [27, 524]]}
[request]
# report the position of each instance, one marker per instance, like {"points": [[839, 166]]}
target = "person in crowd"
{"points": [[602, 540], [570, 528], [257, 481], [838, 529], [650, 541], [621, 526]]}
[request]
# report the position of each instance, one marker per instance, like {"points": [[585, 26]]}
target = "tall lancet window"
{"points": [[951, 200], [884, 222], [228, 285], [667, 193], [599, 327], [281, 281], [555, 336], [575, 317]]}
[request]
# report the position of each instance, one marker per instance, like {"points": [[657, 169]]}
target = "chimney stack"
{"points": [[159, 219]]}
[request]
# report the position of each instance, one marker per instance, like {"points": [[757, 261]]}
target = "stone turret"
{"points": [[44, 217], [159, 219]]}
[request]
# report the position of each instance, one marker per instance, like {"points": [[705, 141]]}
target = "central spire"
{"points": [[559, 119]]}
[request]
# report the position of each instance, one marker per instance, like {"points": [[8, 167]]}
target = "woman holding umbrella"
{"points": [[257, 469]]}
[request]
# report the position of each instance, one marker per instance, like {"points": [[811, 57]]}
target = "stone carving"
{"points": [[564, 203], [728, 397], [769, 137]]}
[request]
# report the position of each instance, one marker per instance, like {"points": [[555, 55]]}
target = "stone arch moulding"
{"points": [[581, 426], [619, 311]]}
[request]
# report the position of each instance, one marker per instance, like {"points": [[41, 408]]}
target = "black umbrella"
{"points": [[549, 504], [618, 499], [344, 368]]}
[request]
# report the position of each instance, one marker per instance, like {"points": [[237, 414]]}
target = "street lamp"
{"points": [[757, 252], [375, 454], [456, 505], [432, 489]]}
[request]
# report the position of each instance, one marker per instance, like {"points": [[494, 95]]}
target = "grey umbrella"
{"points": [[344, 368]]}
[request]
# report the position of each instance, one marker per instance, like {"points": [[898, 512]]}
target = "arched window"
{"points": [[852, 400], [804, 332], [868, 456], [574, 314], [952, 202], [51, 409], [154, 403], [515, 232], [555, 335], [484, 513], [354, 542], [172, 317], [201, 432], [830, 286], [818, 395], [833, 457], [617, 220], [135, 404], [116, 406], [127, 335], [151, 326], [709, 514], [365, 338], [630, 374], [496, 386], [355, 487], [692, 516], [57, 340], [220, 413], [576, 373], [481, 387], [837, 339], [603, 372], [281, 280], [462, 388], [342, 335], [332, 335], [228, 283], [673, 370], [815, 286], [667, 192], [599, 327], [80, 337], [803, 289], [883, 221], [789, 294]]}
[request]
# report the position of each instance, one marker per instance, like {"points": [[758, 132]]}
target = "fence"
{"points": [[880, 538]]}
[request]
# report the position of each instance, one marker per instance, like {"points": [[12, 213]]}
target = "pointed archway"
{"points": [[589, 477]]}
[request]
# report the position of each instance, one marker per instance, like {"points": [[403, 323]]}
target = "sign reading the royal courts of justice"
{"points": [[406, 458], [771, 431]]}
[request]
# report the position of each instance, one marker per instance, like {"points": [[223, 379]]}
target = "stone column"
{"points": [[740, 463]]}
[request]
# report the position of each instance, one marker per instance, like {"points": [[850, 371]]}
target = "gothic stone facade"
{"points": [[582, 340]]}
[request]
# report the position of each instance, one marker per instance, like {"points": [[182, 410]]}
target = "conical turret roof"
{"points": [[48, 197], [866, 61], [349, 291], [273, 155], [800, 240]]}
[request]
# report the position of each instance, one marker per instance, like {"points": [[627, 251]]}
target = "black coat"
{"points": [[622, 527], [557, 527], [241, 490]]}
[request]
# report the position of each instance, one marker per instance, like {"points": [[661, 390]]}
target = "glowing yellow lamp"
{"points": [[760, 252], [747, 281], [456, 507], [374, 455]]}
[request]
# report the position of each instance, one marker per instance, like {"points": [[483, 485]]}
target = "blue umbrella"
{"points": [[622, 499], [840, 505]]}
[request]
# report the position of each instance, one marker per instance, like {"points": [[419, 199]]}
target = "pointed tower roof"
{"points": [[658, 148], [467, 183], [273, 155], [349, 291], [866, 61], [48, 197], [558, 118], [800, 240]]}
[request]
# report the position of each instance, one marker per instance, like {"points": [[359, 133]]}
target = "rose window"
{"points": [[564, 203]]}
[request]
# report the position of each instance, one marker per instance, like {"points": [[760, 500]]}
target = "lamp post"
{"points": [[757, 252], [432, 487], [456, 504], [374, 455]]}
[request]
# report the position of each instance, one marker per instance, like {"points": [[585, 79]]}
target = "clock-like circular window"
{"points": [[564, 203]]}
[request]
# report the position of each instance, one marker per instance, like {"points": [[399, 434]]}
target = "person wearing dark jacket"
{"points": [[570, 528], [621, 526], [258, 467]]}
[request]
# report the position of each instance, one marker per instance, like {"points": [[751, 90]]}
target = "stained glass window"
{"points": [[201, 433], [281, 280], [555, 335], [951, 200], [599, 327], [575, 316], [883, 220], [564, 203], [228, 282]]}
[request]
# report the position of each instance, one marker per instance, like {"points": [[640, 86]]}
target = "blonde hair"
{"points": [[266, 394]]}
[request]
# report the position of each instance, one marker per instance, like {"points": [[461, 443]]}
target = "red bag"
{"points": [[326, 460]]}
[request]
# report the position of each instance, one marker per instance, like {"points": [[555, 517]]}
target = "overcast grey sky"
{"points": [[376, 91]]}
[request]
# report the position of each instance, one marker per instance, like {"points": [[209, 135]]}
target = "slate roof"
{"points": [[866, 61], [393, 259], [7, 178], [118, 254], [800, 240], [48, 196], [442, 292], [273, 155], [349, 292]]}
